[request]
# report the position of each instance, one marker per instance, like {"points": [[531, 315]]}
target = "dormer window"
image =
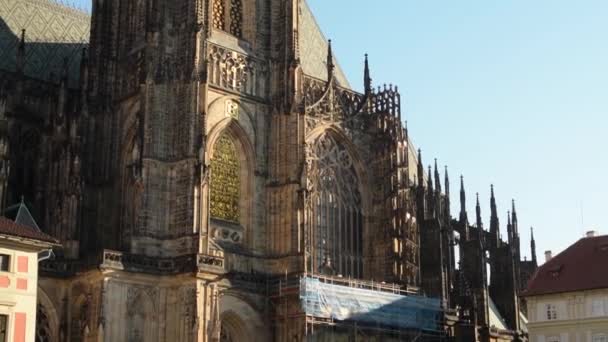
{"points": [[228, 16]]}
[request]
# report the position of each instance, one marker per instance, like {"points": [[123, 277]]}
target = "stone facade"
{"points": [[205, 155]]}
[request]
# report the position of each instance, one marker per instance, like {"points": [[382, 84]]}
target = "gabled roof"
{"points": [[313, 48], [8, 227], [52, 32], [582, 266]]}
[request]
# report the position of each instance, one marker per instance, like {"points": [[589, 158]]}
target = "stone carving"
{"points": [[232, 109], [236, 72]]}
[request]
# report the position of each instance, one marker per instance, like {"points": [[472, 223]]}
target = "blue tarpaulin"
{"points": [[344, 303]]}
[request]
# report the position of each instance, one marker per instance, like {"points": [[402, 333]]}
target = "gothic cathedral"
{"points": [[213, 176]]}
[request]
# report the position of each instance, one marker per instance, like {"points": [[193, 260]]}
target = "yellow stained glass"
{"points": [[225, 181]]}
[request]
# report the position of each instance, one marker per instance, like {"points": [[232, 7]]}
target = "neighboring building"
{"points": [[210, 171], [568, 296], [19, 248]]}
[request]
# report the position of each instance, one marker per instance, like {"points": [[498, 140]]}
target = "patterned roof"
{"points": [[313, 48], [52, 33]]}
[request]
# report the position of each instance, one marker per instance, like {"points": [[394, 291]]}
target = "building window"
{"points": [[225, 181], [5, 261], [553, 339], [597, 308], [3, 328], [600, 338], [551, 312]]}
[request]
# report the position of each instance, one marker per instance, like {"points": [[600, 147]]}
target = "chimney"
{"points": [[591, 233], [548, 256]]}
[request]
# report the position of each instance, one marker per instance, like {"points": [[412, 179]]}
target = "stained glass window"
{"points": [[225, 180], [236, 17], [218, 14]]}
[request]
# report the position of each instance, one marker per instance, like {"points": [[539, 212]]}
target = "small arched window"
{"points": [[225, 180], [231, 19]]}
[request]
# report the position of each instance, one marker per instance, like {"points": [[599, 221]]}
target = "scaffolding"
{"points": [[368, 306]]}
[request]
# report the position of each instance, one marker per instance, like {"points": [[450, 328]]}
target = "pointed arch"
{"points": [[240, 320]]}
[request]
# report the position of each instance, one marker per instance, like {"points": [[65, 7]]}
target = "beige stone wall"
{"points": [[580, 316]]}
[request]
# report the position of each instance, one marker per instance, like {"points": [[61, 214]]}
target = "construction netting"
{"points": [[322, 299]]}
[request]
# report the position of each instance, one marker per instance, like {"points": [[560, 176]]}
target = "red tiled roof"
{"points": [[9, 227], [582, 266]]}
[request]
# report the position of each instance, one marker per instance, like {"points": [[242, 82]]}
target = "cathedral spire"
{"points": [[430, 181], [420, 169], [532, 245], [494, 222], [514, 219], [367, 80], [463, 204], [446, 183], [437, 179], [330, 61], [478, 213], [509, 229], [479, 222]]}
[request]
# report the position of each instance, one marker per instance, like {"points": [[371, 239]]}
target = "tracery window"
{"points": [[335, 216], [234, 16], [225, 180]]}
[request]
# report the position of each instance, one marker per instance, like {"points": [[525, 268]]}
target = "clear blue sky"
{"points": [[513, 93]]}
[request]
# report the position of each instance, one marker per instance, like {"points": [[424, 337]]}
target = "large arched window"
{"points": [[231, 19], [335, 216], [225, 180]]}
